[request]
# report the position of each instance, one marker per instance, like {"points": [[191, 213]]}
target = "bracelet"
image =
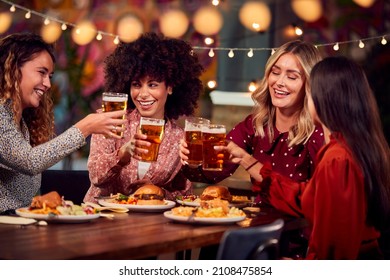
{"points": [[250, 166]]}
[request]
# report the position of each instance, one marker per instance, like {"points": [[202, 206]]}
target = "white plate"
{"points": [[195, 203], [139, 208], [227, 220], [23, 212], [188, 203], [11, 220]]}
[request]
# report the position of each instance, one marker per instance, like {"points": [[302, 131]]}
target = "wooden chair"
{"points": [[254, 243], [71, 184]]}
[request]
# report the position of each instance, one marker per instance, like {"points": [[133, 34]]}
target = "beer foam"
{"points": [[214, 130], [114, 98], [149, 121]]}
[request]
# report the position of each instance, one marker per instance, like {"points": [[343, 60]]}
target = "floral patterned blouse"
{"points": [[21, 165], [108, 177]]}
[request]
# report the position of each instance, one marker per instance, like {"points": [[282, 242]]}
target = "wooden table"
{"points": [[128, 236]]}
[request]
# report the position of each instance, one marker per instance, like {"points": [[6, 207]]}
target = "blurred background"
{"points": [[233, 39]]}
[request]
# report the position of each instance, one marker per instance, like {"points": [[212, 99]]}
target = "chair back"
{"points": [[254, 243], [71, 184]]}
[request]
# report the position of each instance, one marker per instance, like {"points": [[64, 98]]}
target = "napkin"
{"points": [[11, 220]]}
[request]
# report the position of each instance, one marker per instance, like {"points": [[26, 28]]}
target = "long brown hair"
{"points": [[264, 112], [345, 103], [16, 50]]}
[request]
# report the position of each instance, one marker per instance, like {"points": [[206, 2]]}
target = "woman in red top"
{"points": [[347, 201]]}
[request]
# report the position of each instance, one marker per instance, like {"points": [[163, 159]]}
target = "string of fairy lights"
{"points": [[47, 19]]}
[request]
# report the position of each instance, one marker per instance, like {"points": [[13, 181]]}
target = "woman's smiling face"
{"points": [[36, 75], [149, 97], [286, 83]]}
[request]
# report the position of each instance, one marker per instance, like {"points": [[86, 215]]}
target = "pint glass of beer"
{"points": [[154, 129], [193, 129], [213, 135], [114, 101]]}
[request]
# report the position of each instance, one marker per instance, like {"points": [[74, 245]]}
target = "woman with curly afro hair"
{"points": [[162, 77]]}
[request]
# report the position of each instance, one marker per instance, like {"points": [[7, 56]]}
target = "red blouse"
{"points": [[333, 201]]}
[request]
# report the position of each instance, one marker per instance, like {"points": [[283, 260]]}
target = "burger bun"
{"points": [[216, 192], [149, 194]]}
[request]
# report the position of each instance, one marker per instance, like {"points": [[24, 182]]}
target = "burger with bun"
{"points": [[149, 194], [216, 192]]}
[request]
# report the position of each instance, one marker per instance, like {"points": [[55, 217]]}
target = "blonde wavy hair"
{"points": [[264, 112], [16, 50]]}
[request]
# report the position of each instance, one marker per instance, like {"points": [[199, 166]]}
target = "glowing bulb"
{"points": [[211, 84], [252, 86], [273, 51], [12, 9], [116, 40], [336, 47], [231, 54], [78, 31], [208, 40], [298, 31], [64, 27], [215, 2], [46, 22], [256, 26], [361, 44], [211, 53], [28, 15], [383, 41], [99, 36], [250, 53]]}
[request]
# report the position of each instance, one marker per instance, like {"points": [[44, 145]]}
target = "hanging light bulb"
{"points": [[250, 53], [64, 27], [12, 9], [211, 84], [28, 15], [273, 51], [99, 36], [211, 53], [215, 2], [298, 31], [116, 40], [383, 41], [208, 41], [231, 54], [46, 22], [336, 47], [361, 44]]}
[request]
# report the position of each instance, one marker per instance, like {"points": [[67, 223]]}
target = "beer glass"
{"points": [[114, 101], [193, 131], [154, 129], [213, 135]]}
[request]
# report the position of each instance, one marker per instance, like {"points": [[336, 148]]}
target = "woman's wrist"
{"points": [[248, 162]]}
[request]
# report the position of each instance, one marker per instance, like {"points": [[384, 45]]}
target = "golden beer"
{"points": [[213, 135], [113, 101], [193, 136], [154, 129]]}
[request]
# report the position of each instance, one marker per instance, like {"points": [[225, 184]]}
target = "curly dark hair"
{"points": [[172, 61], [16, 50]]}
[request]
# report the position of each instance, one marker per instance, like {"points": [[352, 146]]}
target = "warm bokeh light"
{"points": [[364, 3], [208, 41], [255, 16], [174, 23], [129, 28], [208, 20], [211, 84], [308, 10], [84, 33], [51, 32], [252, 86], [5, 21]]}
